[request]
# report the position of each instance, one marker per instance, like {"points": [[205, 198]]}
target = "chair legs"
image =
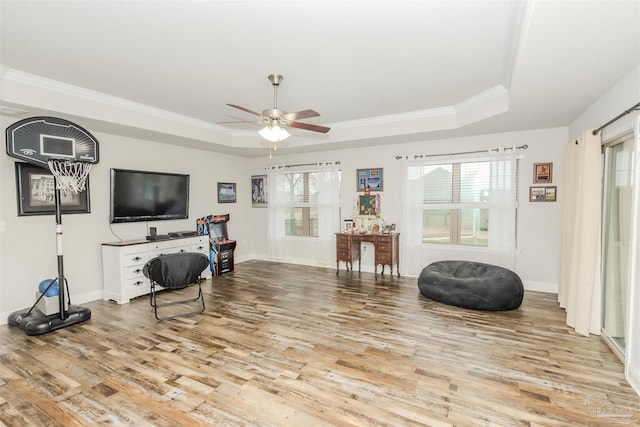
{"points": [[156, 305]]}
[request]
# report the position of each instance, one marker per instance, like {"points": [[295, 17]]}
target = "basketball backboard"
{"points": [[38, 139]]}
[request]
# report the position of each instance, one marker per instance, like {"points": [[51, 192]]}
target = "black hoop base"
{"points": [[35, 322]]}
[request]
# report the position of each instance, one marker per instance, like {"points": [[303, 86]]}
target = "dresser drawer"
{"points": [[134, 258], [137, 283], [383, 259], [343, 254], [133, 272], [342, 245], [382, 248]]}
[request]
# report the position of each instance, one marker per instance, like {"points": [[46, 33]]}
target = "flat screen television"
{"points": [[148, 196]]}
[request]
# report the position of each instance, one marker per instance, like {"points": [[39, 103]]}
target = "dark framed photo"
{"points": [[371, 178], [259, 191], [543, 194], [36, 193], [543, 173], [226, 192]]}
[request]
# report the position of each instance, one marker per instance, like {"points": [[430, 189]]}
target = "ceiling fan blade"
{"points": [[308, 126], [244, 109], [238, 121], [304, 114]]}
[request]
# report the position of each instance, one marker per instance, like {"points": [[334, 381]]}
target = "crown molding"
{"points": [[43, 83]]}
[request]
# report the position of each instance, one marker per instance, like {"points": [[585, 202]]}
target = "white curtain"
{"points": [[413, 207], [277, 209], [328, 203], [328, 179], [502, 207], [632, 357], [579, 287]]}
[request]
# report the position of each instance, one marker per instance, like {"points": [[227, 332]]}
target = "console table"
{"points": [[386, 248]]}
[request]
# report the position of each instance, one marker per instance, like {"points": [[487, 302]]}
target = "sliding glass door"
{"points": [[616, 238]]}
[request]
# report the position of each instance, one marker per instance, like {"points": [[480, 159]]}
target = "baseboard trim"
{"points": [[530, 285]]}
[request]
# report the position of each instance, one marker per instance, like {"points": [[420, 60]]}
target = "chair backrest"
{"points": [[175, 271]]}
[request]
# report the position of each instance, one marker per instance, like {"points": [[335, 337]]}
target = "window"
{"points": [[303, 197], [304, 211], [456, 199], [301, 211]]}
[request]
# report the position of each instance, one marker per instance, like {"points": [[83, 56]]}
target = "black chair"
{"points": [[173, 272]]}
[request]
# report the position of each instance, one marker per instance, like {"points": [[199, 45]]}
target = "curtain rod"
{"points": [[302, 164], [417, 156], [618, 117]]}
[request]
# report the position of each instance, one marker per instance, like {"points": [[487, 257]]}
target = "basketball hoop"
{"points": [[70, 176]]}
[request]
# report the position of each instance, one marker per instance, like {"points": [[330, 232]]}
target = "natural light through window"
{"points": [[455, 203]]}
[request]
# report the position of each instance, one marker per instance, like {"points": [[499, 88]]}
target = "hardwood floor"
{"points": [[288, 345]]}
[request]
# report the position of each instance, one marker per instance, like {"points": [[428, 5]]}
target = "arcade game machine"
{"points": [[221, 248]]}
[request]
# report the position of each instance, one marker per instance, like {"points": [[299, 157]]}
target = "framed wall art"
{"points": [[543, 194], [371, 178], [259, 191], [226, 192], [367, 205], [543, 173], [36, 194]]}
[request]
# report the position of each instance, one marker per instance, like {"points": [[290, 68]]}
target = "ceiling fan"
{"points": [[275, 120]]}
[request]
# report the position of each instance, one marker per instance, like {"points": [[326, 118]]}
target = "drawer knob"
{"points": [[137, 258], [137, 271], [139, 283]]}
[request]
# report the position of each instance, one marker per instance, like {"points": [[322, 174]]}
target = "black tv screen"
{"points": [[148, 196]]}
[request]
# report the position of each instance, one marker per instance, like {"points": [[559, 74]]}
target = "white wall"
{"points": [[27, 244], [617, 99], [538, 226]]}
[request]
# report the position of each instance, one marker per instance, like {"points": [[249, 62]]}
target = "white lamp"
{"points": [[274, 132]]}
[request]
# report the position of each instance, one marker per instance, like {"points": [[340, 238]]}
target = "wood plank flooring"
{"points": [[288, 345]]}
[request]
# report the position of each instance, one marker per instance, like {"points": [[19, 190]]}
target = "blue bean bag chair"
{"points": [[471, 285]]}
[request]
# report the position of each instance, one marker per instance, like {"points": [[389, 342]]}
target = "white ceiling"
{"points": [[378, 72]]}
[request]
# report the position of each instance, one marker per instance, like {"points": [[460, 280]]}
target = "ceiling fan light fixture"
{"points": [[274, 133]]}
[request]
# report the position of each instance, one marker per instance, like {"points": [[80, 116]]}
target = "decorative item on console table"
{"points": [[367, 205]]}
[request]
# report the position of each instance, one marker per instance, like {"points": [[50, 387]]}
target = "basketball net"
{"points": [[70, 176]]}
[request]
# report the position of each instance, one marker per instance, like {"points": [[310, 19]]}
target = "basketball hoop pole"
{"points": [[61, 282]]}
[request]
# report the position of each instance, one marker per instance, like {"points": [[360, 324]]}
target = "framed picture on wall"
{"points": [[259, 197], [543, 194], [226, 192], [543, 173], [36, 193], [371, 178]]}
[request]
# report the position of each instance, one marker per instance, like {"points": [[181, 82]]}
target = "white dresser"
{"points": [[122, 264]]}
